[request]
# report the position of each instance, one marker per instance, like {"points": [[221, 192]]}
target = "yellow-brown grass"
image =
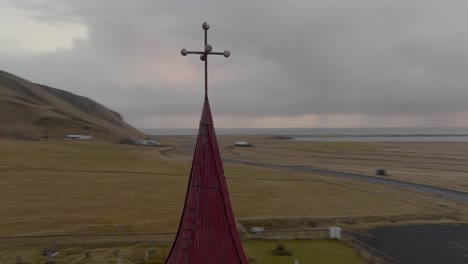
{"points": [[70, 187], [443, 164]]}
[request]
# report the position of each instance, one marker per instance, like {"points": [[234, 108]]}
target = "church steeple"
{"points": [[207, 232]]}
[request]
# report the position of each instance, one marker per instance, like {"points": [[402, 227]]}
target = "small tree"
{"points": [[280, 250]]}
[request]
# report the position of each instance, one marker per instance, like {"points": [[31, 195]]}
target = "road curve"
{"points": [[446, 193]]}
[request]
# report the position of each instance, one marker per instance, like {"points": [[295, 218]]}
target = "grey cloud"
{"points": [[290, 58]]}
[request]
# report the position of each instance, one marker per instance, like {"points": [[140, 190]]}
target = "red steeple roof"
{"points": [[207, 231]]}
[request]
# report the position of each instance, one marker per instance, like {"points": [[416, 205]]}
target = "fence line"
{"points": [[88, 235], [141, 237], [369, 253], [72, 239], [386, 258]]}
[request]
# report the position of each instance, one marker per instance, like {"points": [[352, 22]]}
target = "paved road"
{"points": [[446, 193], [421, 244]]}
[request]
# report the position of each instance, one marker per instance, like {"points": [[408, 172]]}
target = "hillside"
{"points": [[29, 110]]}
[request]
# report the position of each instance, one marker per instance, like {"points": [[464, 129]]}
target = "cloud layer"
{"points": [[294, 63]]}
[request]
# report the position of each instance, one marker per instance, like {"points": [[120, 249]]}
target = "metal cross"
{"points": [[204, 54]]}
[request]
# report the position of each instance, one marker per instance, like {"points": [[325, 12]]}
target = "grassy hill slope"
{"points": [[33, 110]]}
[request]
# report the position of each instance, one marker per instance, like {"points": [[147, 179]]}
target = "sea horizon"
{"points": [[329, 132]]}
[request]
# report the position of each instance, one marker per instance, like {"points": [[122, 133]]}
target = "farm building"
{"points": [[78, 137], [147, 142], [242, 144]]}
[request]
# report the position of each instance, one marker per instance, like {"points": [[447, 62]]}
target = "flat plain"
{"points": [[443, 164], [69, 187]]}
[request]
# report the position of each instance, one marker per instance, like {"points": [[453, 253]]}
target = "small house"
{"points": [[78, 137], [242, 144], [257, 230], [147, 142]]}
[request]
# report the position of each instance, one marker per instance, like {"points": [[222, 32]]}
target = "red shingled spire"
{"points": [[207, 231]]}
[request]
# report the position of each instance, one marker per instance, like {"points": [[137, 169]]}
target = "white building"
{"points": [[242, 144], [147, 142], [257, 230], [78, 137]]}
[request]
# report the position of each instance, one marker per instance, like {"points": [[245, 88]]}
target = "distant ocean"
{"points": [[336, 134]]}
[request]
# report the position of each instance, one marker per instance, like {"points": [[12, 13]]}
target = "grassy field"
{"points": [[63, 187], [258, 251], [441, 164], [90, 187]]}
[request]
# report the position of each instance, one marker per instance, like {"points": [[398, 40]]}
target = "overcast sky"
{"points": [[310, 63]]}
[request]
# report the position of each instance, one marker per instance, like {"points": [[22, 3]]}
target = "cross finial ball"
{"points": [[208, 50]]}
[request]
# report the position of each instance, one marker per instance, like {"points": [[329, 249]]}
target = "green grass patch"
{"points": [[305, 251]]}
